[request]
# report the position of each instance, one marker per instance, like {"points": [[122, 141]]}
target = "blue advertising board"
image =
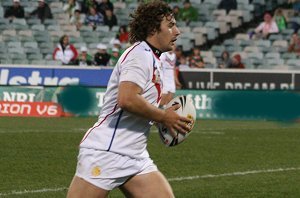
{"points": [[54, 76]]}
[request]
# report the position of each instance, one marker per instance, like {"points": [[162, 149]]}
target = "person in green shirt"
{"points": [[84, 58], [280, 19], [188, 13], [115, 55]]}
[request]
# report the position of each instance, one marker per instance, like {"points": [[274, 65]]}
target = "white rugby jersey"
{"points": [[117, 130], [168, 61]]}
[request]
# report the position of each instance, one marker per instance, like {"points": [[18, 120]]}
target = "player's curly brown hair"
{"points": [[146, 19]]}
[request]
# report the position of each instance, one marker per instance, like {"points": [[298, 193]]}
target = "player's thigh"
{"points": [[150, 185], [80, 188]]}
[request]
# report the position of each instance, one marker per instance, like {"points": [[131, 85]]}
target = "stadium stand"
{"points": [[214, 32]]}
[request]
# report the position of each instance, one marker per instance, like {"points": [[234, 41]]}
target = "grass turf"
{"points": [[38, 155]]}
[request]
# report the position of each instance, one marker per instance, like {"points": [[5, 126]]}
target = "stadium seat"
{"points": [[18, 21], [231, 42], [48, 22], [237, 16], [9, 32], [262, 43], [14, 44], [218, 13], [33, 21], [25, 33], [289, 55], [1, 11], [293, 62], [195, 24], [53, 62], [37, 56], [30, 45], [275, 37], [14, 56], [20, 61], [241, 36], [38, 27], [38, 62], [53, 28], [251, 49], [255, 55], [272, 55], [273, 62], [4, 21], [234, 48], [280, 46], [27, 39], [91, 45]]}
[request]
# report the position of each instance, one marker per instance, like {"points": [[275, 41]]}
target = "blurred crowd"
{"points": [[95, 13]]}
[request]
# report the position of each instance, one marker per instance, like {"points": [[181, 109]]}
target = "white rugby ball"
{"points": [[187, 109]]}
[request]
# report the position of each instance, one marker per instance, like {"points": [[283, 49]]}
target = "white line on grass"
{"points": [[234, 174], [14, 192], [201, 132], [70, 130]]}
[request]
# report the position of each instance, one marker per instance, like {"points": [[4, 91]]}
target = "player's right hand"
{"points": [[174, 122]]}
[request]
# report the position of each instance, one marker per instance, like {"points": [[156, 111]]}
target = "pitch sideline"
{"points": [[170, 179]]}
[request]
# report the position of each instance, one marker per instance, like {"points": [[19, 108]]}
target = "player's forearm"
{"points": [[130, 99], [139, 106]]}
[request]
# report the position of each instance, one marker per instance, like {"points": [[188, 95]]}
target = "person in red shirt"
{"points": [[123, 35], [236, 62]]}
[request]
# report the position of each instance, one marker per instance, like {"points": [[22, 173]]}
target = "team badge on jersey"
{"points": [[96, 171]]}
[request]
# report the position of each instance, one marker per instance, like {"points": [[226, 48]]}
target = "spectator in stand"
{"points": [[86, 4], [176, 12], [117, 44], [227, 5], [110, 18], [236, 62], [180, 63], [102, 5], [101, 58], [188, 13], [65, 52], [183, 62], [115, 55], [196, 60], [71, 7], [295, 44], [84, 59], [280, 19], [14, 11], [94, 18], [225, 60], [77, 19], [265, 28], [123, 34], [42, 12], [295, 4], [179, 54]]}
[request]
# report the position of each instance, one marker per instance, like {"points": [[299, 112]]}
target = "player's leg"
{"points": [[148, 185], [80, 188]]}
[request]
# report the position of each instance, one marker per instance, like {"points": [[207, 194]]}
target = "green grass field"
{"points": [[219, 159]]}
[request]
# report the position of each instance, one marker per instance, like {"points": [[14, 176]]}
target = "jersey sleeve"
{"points": [[135, 70]]}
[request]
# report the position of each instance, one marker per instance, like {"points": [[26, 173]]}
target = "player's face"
{"points": [[168, 34]]}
